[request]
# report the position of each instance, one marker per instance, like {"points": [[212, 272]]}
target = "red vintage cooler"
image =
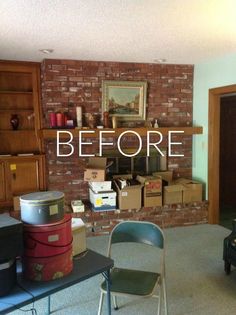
{"points": [[48, 268], [49, 239]]}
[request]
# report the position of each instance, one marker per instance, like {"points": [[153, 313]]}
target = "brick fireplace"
{"points": [[70, 83]]}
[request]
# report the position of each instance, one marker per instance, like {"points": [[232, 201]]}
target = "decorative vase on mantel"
{"points": [[14, 121]]}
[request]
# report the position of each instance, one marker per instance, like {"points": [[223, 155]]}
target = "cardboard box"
{"points": [[77, 205], [165, 175], [128, 197], [102, 201], [79, 236], [192, 190], [100, 186], [16, 203], [96, 169], [152, 190], [173, 194]]}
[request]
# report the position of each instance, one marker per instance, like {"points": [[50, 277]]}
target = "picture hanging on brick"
{"points": [[124, 99]]}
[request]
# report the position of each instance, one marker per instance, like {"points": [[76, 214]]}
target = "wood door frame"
{"points": [[214, 149]]}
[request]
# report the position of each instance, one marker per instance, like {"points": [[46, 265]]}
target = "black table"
{"points": [[86, 265]]}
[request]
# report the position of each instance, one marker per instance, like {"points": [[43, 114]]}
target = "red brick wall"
{"points": [[100, 223], [69, 83]]}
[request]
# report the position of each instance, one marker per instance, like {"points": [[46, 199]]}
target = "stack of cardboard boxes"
{"points": [[126, 192], [101, 195]]}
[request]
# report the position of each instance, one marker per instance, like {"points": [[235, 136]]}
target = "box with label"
{"points": [[152, 190], [102, 201], [79, 236], [173, 194], [96, 169], [192, 190], [100, 186], [129, 197]]}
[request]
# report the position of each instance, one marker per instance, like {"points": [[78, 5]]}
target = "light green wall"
{"points": [[216, 73]]}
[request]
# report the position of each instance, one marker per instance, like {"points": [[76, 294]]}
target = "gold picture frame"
{"points": [[124, 99]]}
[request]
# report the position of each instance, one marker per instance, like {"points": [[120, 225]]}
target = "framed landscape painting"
{"points": [[124, 99]]}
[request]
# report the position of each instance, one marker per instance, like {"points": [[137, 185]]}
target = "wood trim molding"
{"points": [[214, 149]]}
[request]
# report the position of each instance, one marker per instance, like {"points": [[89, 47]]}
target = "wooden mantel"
{"points": [[142, 131]]}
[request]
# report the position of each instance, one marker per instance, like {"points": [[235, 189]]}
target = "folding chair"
{"points": [[137, 282]]}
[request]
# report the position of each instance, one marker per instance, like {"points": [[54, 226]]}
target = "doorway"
{"points": [[227, 172], [214, 156]]}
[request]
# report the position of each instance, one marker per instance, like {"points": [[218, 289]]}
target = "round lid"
{"points": [[42, 196]]}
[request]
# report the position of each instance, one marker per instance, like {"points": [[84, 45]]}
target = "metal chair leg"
{"points": [[115, 303], [49, 305], [159, 300], [101, 303], [164, 296]]}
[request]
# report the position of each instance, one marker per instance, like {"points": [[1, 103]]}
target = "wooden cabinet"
{"points": [[20, 175], [20, 98], [2, 182]]}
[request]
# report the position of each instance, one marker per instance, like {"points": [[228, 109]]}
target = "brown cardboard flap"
{"points": [[97, 163], [185, 181], [125, 176], [16, 203], [127, 188], [165, 175], [146, 179]]}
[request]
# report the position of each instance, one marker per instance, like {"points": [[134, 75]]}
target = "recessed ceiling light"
{"points": [[46, 51], [160, 60]]}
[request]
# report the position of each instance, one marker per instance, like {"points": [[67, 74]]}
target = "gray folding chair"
{"points": [[137, 282]]}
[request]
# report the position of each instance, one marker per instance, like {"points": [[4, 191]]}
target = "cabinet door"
{"points": [[2, 182], [24, 176]]}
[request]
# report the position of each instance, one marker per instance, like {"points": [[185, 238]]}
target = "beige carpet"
{"points": [[196, 282]]}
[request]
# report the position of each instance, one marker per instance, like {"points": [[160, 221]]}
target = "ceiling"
{"points": [[180, 31]]}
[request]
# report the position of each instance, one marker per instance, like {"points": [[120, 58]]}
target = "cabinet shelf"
{"points": [[142, 131], [30, 110], [19, 132], [20, 95], [16, 92], [19, 157]]}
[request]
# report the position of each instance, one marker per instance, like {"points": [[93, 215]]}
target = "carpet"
{"points": [[196, 282]]}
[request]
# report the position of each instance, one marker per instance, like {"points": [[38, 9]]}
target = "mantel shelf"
{"points": [[142, 131]]}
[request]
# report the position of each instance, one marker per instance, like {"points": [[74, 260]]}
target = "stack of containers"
{"points": [[11, 246], [47, 236]]}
